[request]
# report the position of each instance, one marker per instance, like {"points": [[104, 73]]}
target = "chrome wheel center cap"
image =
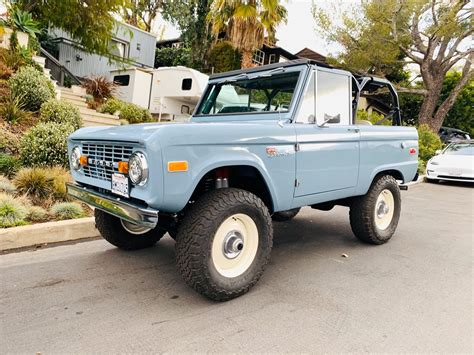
{"points": [[233, 244], [382, 209]]}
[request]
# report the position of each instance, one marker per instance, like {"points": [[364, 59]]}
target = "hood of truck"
{"points": [[175, 133], [138, 133]]}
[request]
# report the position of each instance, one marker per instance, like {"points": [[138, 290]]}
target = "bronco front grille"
{"points": [[103, 159]]}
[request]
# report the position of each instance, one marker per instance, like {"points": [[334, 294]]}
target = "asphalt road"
{"points": [[414, 294]]}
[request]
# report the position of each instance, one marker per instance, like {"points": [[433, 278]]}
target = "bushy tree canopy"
{"points": [[91, 23]]}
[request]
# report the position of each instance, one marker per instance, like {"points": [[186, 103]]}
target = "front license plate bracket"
{"points": [[120, 185]]}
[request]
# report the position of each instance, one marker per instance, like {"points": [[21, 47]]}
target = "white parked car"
{"points": [[454, 163]]}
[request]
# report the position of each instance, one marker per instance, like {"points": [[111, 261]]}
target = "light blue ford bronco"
{"points": [[261, 144]]}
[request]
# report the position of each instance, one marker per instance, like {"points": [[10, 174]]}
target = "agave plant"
{"points": [[22, 21]]}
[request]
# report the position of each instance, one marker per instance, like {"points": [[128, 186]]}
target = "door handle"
{"points": [[355, 130]]}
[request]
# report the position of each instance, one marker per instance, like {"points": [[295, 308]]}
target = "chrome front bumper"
{"points": [[142, 216]]}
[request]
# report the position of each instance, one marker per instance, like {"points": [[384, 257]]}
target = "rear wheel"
{"points": [[284, 216], [125, 235], [224, 243], [374, 216]]}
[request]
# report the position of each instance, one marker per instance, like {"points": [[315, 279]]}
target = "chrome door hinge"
{"points": [[297, 183], [297, 147]]}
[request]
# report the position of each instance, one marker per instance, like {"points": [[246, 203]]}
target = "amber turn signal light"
{"points": [[123, 167], [83, 160], [177, 166]]}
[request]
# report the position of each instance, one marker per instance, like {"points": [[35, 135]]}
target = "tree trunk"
{"points": [[434, 83], [428, 108], [247, 59]]}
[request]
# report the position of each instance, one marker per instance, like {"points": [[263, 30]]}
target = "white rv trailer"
{"points": [[169, 93]]}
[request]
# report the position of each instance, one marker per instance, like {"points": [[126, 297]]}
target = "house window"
{"points": [[118, 48], [258, 57], [272, 58], [122, 80], [187, 84]]}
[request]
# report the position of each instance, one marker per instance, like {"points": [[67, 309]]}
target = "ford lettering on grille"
{"points": [[97, 162]]}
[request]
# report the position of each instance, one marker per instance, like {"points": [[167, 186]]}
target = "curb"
{"points": [[46, 233]]}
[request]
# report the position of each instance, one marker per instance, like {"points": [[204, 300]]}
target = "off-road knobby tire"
{"points": [[362, 212], [284, 216], [196, 233], [112, 231]]}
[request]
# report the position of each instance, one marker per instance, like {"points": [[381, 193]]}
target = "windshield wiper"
{"points": [[269, 73], [235, 78]]}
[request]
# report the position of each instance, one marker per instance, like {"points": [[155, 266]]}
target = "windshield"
{"points": [[460, 149], [244, 94]]}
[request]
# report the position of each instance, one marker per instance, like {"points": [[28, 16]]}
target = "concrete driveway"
{"points": [[414, 294]]}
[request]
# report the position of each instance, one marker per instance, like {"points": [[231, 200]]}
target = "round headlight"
{"points": [[138, 169], [76, 158]]}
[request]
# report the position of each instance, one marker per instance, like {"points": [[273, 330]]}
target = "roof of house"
{"points": [[278, 50], [310, 54]]}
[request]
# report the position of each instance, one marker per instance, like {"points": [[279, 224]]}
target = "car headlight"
{"points": [[138, 169], [76, 158]]}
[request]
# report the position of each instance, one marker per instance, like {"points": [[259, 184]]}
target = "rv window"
{"points": [[122, 80], [186, 84]]}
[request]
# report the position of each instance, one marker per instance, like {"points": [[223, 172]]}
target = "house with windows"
{"points": [[130, 47], [269, 54]]}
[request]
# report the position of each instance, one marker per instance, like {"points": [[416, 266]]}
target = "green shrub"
{"points": [[9, 142], [67, 210], [171, 57], [12, 110], [45, 145], [429, 142], [6, 185], [37, 214], [135, 114], [36, 183], [60, 177], [60, 112], [8, 164], [224, 57], [12, 60], [32, 87], [112, 106], [12, 211]]}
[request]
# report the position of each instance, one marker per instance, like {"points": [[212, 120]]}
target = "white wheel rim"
{"points": [[133, 228], [235, 245], [384, 209]]}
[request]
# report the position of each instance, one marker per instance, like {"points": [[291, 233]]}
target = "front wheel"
{"points": [[374, 216], [224, 243], [125, 235]]}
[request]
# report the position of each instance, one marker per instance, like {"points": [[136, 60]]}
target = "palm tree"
{"points": [[247, 23]]}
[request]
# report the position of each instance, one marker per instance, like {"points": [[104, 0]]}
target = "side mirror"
{"points": [[438, 152], [330, 119]]}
